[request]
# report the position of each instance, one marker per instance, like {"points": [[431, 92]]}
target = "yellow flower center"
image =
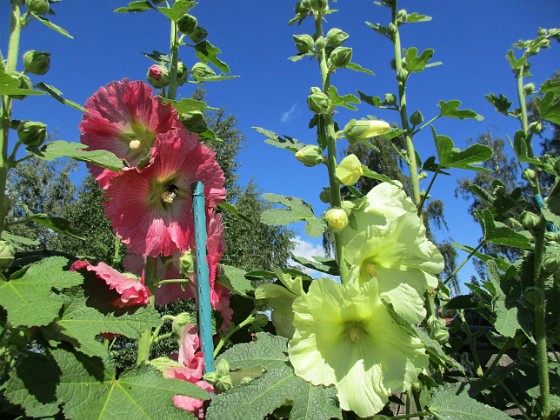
{"points": [[371, 269], [355, 331], [169, 194], [134, 145]]}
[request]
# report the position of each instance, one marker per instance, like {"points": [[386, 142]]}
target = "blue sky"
{"points": [[471, 38]]}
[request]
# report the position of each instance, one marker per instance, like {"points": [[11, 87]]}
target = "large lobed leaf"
{"points": [[29, 296], [451, 157]]}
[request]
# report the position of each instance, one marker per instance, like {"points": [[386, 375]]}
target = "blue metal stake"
{"points": [[202, 276]]}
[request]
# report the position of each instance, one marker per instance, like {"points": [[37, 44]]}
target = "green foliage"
{"points": [[297, 210], [451, 109], [57, 95], [10, 86]]}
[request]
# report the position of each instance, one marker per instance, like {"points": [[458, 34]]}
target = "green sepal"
{"points": [[286, 142], [54, 27], [415, 63], [178, 10], [451, 109], [31, 296], [135, 6], [57, 94], [346, 101]]}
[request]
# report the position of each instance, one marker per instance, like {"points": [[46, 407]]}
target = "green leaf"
{"points": [[234, 279], [346, 101], [57, 94], [54, 27], [372, 100], [58, 224], [29, 296], [213, 78], [506, 313], [500, 103], [324, 265], [207, 52], [158, 57], [135, 6], [230, 208], [9, 86], [382, 30], [90, 390], [514, 62], [451, 109], [520, 147], [286, 142], [356, 67], [7, 236], [180, 7], [79, 324], [64, 149], [416, 17], [188, 105], [315, 226], [464, 302], [297, 211], [500, 234], [276, 387], [549, 107], [451, 157], [415, 63], [368, 173], [450, 402]]}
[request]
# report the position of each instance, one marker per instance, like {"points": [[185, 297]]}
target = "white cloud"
{"points": [[289, 114], [307, 250]]}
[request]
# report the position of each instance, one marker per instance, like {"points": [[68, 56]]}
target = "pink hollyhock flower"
{"points": [[130, 291], [125, 118], [151, 211]]}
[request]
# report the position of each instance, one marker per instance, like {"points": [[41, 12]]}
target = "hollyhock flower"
{"points": [[125, 118], [131, 291], [345, 336], [401, 261], [151, 211]]}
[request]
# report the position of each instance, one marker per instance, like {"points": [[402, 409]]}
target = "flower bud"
{"points": [[340, 57], [32, 133], [552, 237], [337, 220], [158, 76], [24, 83], [390, 99], [39, 7], [7, 255], [335, 37], [198, 34], [201, 70], [304, 43], [260, 320], [310, 155], [321, 43], [320, 6], [220, 378], [186, 263], [179, 323], [529, 174], [529, 88], [186, 24], [402, 75], [303, 7], [318, 101], [194, 121], [529, 220], [551, 262], [535, 127], [36, 62], [360, 130], [534, 295], [416, 118], [182, 73], [325, 195], [349, 170], [402, 15]]}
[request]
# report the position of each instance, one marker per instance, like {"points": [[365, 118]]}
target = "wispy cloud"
{"points": [[308, 250], [289, 114]]}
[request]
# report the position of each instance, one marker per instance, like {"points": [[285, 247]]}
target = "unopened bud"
{"points": [[337, 220], [320, 6], [551, 262], [187, 24], [39, 7], [32, 133], [186, 263], [222, 367], [325, 195], [401, 15], [534, 295], [198, 34], [416, 118], [340, 57], [201, 70], [194, 121], [304, 43], [529, 174], [260, 320], [7, 255], [528, 89], [335, 37], [529, 220], [360, 130], [303, 7], [318, 101], [321, 43], [36, 62], [158, 76], [402, 75], [552, 237], [179, 323], [535, 127], [24, 83], [349, 170], [310, 155], [390, 99], [182, 73]]}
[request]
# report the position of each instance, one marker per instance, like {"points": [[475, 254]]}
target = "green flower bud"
{"points": [[187, 24], [318, 102], [24, 83], [222, 367], [349, 170], [321, 43], [158, 76], [529, 88], [534, 295], [390, 99], [310, 155], [529, 220], [325, 195], [39, 7], [402, 75], [360, 130], [552, 237], [182, 73], [36, 62], [402, 15], [337, 220], [201, 70], [260, 320], [340, 57], [320, 6], [535, 127], [304, 43], [198, 34], [220, 378], [416, 118], [7, 255], [303, 7], [179, 323], [32, 133], [529, 174], [186, 263], [551, 262], [194, 121], [335, 37]]}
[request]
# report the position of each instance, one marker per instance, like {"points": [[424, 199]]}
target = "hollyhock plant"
{"points": [[151, 211], [345, 336], [131, 291], [125, 118]]}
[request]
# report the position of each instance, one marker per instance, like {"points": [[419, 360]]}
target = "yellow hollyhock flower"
{"points": [[345, 336]]}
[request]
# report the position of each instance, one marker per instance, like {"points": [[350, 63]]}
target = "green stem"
{"points": [[172, 89], [513, 399], [425, 195], [411, 415], [480, 244], [540, 320], [232, 331], [472, 344], [401, 81], [162, 337], [144, 346]]}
